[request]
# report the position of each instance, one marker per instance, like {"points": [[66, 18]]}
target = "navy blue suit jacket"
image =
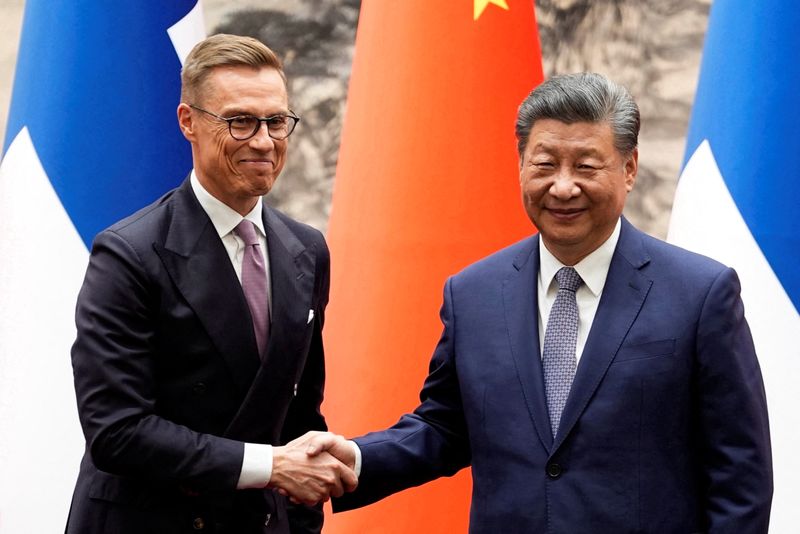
{"points": [[665, 429], [168, 379]]}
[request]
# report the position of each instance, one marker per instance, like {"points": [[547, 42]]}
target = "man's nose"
{"points": [[564, 185], [261, 140]]}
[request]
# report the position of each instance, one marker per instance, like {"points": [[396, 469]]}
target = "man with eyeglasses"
{"points": [[199, 347]]}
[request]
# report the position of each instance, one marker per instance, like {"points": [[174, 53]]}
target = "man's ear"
{"points": [[186, 121], [631, 168]]}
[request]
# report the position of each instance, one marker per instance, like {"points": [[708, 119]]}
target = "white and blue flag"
{"points": [[738, 200], [92, 136]]}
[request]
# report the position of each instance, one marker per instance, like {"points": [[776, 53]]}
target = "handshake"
{"points": [[314, 467]]}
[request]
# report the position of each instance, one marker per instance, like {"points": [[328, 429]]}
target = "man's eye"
{"points": [[243, 122], [276, 121]]}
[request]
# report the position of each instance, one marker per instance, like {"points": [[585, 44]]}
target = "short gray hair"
{"points": [[581, 97]]}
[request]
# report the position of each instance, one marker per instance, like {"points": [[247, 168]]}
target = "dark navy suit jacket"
{"points": [[665, 429], [168, 378]]}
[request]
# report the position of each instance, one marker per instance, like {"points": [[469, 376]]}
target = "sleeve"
{"points": [[427, 444], [114, 371], [256, 466], [732, 412]]}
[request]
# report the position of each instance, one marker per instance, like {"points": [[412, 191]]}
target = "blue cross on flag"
{"points": [[92, 136]]}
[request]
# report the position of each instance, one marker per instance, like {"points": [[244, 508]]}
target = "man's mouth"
{"points": [[565, 214], [257, 161]]}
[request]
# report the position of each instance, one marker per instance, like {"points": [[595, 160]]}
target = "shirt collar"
{"points": [[223, 217], [593, 269]]}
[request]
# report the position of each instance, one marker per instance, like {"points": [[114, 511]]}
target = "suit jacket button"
{"points": [[199, 388], [554, 470], [198, 523]]}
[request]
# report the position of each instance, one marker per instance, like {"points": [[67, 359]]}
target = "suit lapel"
{"points": [[292, 268], [520, 306], [292, 271], [195, 259], [623, 296]]}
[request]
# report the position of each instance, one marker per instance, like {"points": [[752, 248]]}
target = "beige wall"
{"points": [[10, 24]]}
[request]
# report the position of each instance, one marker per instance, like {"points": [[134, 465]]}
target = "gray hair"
{"points": [[581, 97]]}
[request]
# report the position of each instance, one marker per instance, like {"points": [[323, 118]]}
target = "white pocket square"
{"points": [[310, 316]]}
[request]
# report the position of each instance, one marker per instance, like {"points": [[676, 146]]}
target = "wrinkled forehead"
{"points": [[226, 82], [254, 92]]}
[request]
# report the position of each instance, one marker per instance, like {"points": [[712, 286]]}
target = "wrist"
{"points": [[278, 459]]}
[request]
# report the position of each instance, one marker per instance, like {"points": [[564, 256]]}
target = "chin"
{"points": [[261, 187], [563, 239]]}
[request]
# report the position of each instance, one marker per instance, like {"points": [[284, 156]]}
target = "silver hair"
{"points": [[581, 97]]}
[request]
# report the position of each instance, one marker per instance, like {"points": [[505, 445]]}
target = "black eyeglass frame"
{"points": [[229, 120]]}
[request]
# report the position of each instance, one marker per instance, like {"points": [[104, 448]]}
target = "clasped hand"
{"points": [[313, 468]]}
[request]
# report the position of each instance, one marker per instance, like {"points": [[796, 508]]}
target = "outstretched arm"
{"points": [[429, 443]]}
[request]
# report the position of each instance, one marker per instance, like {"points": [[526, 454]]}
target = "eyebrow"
{"points": [[555, 148], [238, 112]]}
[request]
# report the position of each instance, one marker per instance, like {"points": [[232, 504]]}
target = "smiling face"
{"points": [[236, 172], [574, 184]]}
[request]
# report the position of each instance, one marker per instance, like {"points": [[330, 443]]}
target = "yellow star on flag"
{"points": [[480, 5]]}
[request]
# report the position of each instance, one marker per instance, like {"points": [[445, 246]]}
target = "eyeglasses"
{"points": [[243, 127]]}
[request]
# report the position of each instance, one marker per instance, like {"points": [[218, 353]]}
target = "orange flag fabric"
{"points": [[427, 183]]}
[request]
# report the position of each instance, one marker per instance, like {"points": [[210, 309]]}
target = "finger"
{"points": [[349, 480], [315, 497], [320, 443], [309, 498], [337, 490], [304, 438]]}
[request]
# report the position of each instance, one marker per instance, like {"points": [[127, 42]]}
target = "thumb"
{"points": [[319, 444]]}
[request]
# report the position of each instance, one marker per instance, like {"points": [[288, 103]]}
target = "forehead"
{"points": [[551, 135], [245, 88]]}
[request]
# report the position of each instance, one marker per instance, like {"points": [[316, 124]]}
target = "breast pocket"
{"points": [[641, 351]]}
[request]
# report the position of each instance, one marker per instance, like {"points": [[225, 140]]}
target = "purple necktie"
{"points": [[561, 335], [254, 282]]}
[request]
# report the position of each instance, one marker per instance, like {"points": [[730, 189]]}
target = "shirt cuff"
{"points": [[256, 466], [357, 452]]}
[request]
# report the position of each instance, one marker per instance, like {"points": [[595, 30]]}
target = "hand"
{"points": [[321, 442], [309, 479]]}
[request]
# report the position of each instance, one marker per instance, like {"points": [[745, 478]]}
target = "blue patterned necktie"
{"points": [[561, 335]]}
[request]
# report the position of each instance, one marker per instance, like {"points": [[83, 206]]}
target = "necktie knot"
{"points": [[247, 231], [568, 278]]}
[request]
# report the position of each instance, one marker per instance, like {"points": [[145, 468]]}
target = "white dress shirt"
{"points": [[593, 269], [257, 463]]}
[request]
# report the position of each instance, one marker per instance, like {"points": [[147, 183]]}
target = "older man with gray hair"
{"points": [[595, 378]]}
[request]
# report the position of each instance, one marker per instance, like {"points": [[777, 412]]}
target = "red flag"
{"points": [[427, 183]]}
